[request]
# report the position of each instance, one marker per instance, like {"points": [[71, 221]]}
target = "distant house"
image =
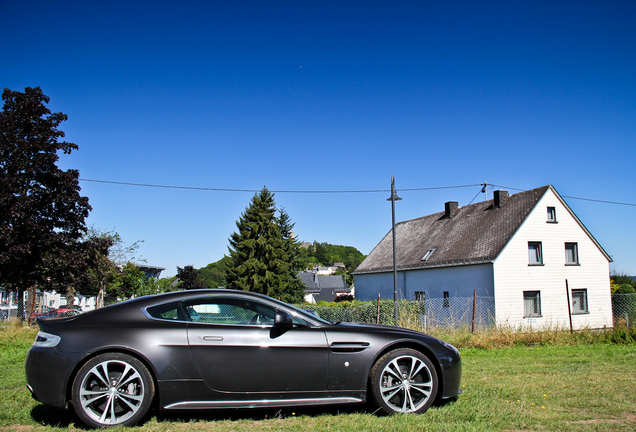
{"points": [[150, 271], [519, 252], [322, 287], [327, 270]]}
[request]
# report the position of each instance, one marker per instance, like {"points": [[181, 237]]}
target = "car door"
{"points": [[238, 349]]}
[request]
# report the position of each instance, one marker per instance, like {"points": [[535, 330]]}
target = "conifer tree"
{"points": [[291, 251], [258, 260]]}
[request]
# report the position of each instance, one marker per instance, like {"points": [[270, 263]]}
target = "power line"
{"points": [[274, 191], [600, 201], [209, 189], [577, 198]]}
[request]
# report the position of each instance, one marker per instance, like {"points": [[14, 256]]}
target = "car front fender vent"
{"points": [[349, 346]]}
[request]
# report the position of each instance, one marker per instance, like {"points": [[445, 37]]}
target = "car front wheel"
{"points": [[404, 381], [112, 389]]}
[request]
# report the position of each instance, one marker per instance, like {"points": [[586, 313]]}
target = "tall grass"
{"points": [[508, 337]]}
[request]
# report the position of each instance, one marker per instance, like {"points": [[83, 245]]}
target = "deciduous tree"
{"points": [[188, 278], [41, 209]]}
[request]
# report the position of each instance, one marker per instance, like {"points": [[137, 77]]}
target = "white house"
{"points": [[528, 255]]}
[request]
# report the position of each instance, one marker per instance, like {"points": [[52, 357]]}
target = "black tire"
{"points": [[403, 381], [122, 401]]}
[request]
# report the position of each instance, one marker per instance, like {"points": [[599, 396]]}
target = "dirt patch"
{"points": [[627, 417]]}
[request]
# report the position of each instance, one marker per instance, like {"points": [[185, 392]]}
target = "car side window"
{"points": [[301, 322], [168, 311], [230, 310]]}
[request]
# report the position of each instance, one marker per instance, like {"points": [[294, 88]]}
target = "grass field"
{"points": [[567, 385]]}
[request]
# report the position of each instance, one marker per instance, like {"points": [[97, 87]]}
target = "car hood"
{"points": [[380, 328]]}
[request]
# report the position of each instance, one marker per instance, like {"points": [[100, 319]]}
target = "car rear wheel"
{"points": [[112, 389], [404, 381]]}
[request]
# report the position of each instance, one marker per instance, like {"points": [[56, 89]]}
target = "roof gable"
{"points": [[473, 234]]}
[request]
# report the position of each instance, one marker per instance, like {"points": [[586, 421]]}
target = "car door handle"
{"points": [[213, 338]]}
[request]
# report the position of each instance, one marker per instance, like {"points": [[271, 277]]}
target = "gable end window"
{"points": [[531, 304], [535, 254], [552, 215], [579, 301], [571, 254]]}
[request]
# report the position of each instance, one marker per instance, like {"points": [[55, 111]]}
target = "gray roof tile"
{"points": [[475, 234]]}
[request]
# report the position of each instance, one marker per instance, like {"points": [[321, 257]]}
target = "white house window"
{"points": [[571, 253], [531, 304], [552, 214], [535, 255], [579, 301], [428, 254]]}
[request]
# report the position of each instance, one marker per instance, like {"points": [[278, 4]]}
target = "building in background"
{"points": [[527, 256]]}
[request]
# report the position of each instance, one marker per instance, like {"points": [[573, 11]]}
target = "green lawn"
{"points": [[585, 387]]}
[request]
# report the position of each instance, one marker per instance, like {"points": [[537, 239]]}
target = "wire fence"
{"points": [[472, 313], [451, 313], [624, 310], [456, 312]]}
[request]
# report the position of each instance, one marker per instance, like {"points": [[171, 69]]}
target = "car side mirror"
{"points": [[283, 319]]}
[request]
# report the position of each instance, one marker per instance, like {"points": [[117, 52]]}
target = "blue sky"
{"points": [[332, 96]]}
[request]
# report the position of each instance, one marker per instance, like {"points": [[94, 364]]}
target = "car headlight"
{"points": [[46, 340]]}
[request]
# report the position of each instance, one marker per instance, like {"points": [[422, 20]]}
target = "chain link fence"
{"points": [[456, 312], [451, 313], [624, 310], [448, 313]]}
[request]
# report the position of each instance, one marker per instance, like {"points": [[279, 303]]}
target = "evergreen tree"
{"points": [[291, 258], [259, 257]]}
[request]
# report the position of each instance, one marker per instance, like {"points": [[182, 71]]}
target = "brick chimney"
{"points": [[450, 209], [500, 197]]}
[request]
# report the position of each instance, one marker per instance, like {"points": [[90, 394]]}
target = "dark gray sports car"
{"points": [[215, 349]]}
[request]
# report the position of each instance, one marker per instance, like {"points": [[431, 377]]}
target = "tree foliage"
{"points": [[327, 254], [213, 275], [263, 257], [82, 266], [290, 256], [42, 213], [103, 275], [618, 282], [188, 278]]}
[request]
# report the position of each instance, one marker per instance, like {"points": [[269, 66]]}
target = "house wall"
{"points": [[460, 281], [368, 286], [513, 275], [454, 312]]}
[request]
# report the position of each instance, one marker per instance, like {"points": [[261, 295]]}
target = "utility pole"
{"points": [[394, 197]]}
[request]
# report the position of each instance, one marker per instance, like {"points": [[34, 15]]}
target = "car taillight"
{"points": [[46, 340]]}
